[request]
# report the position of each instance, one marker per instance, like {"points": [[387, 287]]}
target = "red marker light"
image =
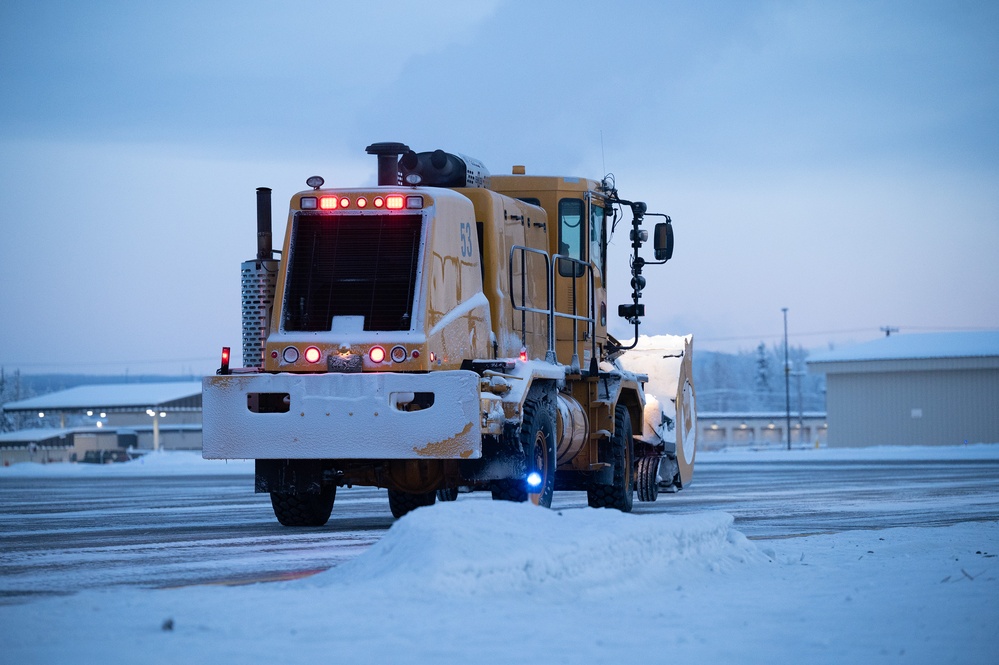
{"points": [[394, 202], [313, 354], [523, 354], [376, 354], [224, 369], [327, 202], [344, 202], [362, 202], [379, 202]]}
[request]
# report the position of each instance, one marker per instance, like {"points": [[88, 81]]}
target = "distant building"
{"points": [[720, 430], [144, 416], [913, 389]]}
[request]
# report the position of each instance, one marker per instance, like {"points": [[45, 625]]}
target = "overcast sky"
{"points": [[840, 159]]}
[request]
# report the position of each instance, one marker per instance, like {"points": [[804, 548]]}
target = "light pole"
{"points": [[787, 383]]}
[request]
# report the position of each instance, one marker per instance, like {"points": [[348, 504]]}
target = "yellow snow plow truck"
{"points": [[446, 330]]}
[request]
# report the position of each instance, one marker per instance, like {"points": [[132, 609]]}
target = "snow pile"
{"points": [[974, 451], [490, 548], [159, 463]]}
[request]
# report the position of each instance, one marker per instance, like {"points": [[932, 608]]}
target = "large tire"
{"points": [[537, 437], [447, 494], [647, 478], [401, 503], [620, 494], [303, 509]]}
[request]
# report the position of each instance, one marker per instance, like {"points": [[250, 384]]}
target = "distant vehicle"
{"points": [[105, 456], [446, 329]]}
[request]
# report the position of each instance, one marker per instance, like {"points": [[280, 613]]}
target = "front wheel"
{"points": [[303, 509], [537, 437], [621, 493], [648, 478]]}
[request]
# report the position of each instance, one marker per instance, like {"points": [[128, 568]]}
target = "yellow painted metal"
{"points": [[507, 223], [548, 191], [451, 315]]}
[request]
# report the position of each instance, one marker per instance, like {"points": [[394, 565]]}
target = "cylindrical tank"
{"points": [[259, 282], [572, 428]]}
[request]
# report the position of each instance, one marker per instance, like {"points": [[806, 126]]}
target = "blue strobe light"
{"points": [[533, 479]]}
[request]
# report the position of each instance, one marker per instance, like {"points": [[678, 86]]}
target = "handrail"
{"points": [[523, 309], [551, 311], [591, 319]]}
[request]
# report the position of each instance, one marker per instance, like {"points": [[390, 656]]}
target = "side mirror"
{"points": [[662, 241]]}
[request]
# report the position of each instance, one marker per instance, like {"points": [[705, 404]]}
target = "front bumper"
{"points": [[342, 416]]}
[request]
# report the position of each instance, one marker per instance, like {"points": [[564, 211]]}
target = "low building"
{"points": [[721, 430], [913, 389], [42, 445], [149, 416]]}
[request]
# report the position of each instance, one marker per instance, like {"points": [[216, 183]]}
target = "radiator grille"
{"points": [[352, 265]]}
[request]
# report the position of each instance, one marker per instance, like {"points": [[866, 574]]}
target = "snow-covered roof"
{"points": [[35, 434], [917, 346], [112, 396], [756, 415]]}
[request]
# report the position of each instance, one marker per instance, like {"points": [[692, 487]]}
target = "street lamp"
{"points": [[787, 382]]}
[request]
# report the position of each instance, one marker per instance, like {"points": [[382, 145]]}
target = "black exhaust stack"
{"points": [[388, 161], [265, 245]]}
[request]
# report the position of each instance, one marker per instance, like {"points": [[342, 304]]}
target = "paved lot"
{"points": [[61, 535]]}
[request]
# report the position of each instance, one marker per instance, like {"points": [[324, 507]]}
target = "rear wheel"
{"points": [[401, 503], [647, 478], [537, 437], [620, 494], [303, 509], [447, 494]]}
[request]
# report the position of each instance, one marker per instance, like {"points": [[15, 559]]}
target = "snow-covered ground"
{"points": [[492, 582]]}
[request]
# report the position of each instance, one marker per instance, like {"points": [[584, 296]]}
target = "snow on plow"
{"points": [[670, 418]]}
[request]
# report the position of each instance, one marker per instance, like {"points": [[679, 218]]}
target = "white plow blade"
{"points": [[670, 410]]}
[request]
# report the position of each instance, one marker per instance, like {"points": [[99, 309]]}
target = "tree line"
{"points": [[753, 381]]}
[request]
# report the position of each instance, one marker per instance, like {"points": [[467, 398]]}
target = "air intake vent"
{"points": [[350, 265]]}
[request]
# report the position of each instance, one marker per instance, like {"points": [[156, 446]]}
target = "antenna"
{"points": [[888, 330], [603, 161]]}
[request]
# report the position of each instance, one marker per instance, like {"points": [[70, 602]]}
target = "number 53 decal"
{"points": [[466, 239]]}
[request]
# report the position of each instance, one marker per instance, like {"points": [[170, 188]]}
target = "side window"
{"points": [[571, 238], [597, 251]]}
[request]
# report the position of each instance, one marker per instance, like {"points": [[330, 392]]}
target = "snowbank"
{"points": [[486, 548], [160, 463], [977, 451], [489, 582]]}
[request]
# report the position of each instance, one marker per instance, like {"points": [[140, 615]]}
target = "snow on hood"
{"points": [[494, 548]]}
